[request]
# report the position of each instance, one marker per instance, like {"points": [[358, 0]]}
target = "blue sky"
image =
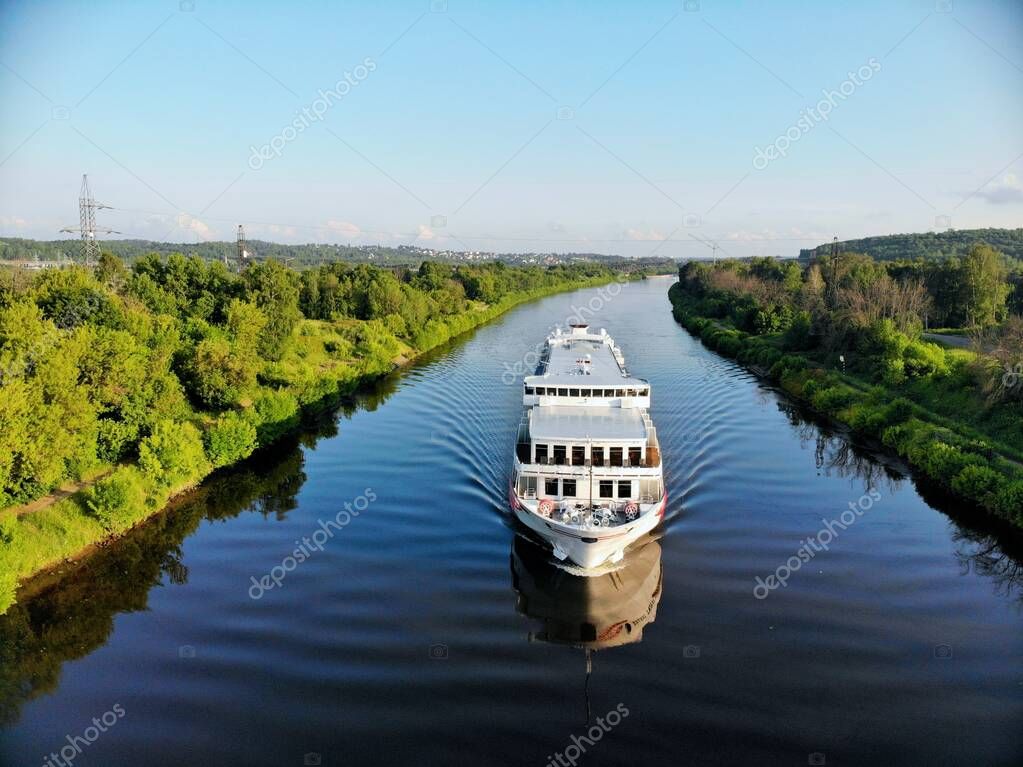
{"points": [[611, 127]]}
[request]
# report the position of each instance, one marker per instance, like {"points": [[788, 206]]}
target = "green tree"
{"points": [[274, 288], [984, 286]]}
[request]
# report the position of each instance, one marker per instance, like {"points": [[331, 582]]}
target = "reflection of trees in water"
{"points": [[999, 558], [835, 455], [982, 546], [73, 617]]}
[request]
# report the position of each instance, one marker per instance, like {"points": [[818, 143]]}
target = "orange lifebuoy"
{"points": [[545, 507]]}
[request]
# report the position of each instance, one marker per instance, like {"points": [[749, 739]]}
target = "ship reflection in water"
{"points": [[593, 612]]}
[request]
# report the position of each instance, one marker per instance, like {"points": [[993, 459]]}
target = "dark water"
{"points": [[428, 632]]}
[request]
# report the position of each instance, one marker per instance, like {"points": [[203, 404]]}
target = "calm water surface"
{"points": [[429, 631]]}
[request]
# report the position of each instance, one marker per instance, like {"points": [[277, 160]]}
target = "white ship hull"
{"points": [[587, 547], [587, 473]]}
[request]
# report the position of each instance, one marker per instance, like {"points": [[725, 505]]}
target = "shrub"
{"points": [[799, 336], [8, 588], [173, 454], [8, 530], [273, 414], [898, 411], [229, 440], [979, 483], [832, 399], [1009, 503], [923, 359], [117, 501]]}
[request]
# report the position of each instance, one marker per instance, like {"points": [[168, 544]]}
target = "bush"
{"points": [[173, 454], [117, 501], [273, 414], [799, 336], [8, 588], [923, 359], [8, 530], [979, 483], [229, 440], [1009, 503], [832, 399]]}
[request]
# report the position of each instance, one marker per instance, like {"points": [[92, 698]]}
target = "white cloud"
{"points": [[643, 235], [195, 226], [424, 233], [346, 228], [13, 222], [1003, 192]]}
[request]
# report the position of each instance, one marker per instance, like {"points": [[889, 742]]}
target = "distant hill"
{"points": [[18, 249], [927, 245]]}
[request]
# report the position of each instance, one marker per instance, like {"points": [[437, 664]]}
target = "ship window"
{"points": [[540, 390], [559, 455], [597, 456], [635, 456], [644, 392], [619, 392], [550, 486], [562, 392], [541, 453], [624, 489], [584, 392], [573, 392], [609, 392], [529, 390], [607, 488], [632, 392], [568, 487], [597, 393], [578, 455], [527, 486], [616, 456]]}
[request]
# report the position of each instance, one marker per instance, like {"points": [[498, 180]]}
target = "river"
{"points": [[428, 630]]}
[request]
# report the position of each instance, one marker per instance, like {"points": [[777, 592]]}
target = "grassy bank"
{"points": [[218, 415], [937, 423]]}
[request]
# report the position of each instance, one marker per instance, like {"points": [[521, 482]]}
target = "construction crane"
{"points": [[87, 228]]}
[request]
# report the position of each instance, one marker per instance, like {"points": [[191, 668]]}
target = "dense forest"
{"points": [[929, 246], [845, 335], [145, 379]]}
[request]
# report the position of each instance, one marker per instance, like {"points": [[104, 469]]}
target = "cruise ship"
{"points": [[587, 470]]}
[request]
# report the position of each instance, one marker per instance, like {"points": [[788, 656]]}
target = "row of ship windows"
{"points": [[560, 455], [552, 391], [568, 488]]}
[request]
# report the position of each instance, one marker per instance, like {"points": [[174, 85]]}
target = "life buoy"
{"points": [[545, 507], [631, 509]]}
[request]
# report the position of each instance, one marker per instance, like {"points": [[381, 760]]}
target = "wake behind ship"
{"points": [[587, 469]]}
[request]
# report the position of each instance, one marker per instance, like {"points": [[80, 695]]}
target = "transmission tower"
{"points": [[243, 254], [87, 208]]}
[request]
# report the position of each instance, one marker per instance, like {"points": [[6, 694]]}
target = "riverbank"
{"points": [[311, 377], [956, 455]]}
